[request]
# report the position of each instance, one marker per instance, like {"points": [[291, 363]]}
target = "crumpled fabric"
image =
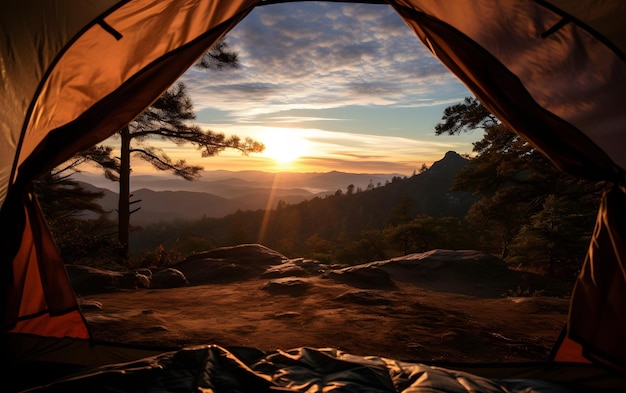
{"points": [[213, 369]]}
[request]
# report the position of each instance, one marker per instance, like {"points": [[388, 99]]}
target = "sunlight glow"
{"points": [[284, 145]]}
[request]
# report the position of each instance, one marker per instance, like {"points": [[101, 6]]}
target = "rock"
{"points": [[89, 305], [287, 269], [249, 254], [144, 271], [463, 262], [129, 280], [311, 265], [363, 297], [216, 271], [168, 278], [87, 280], [143, 281], [468, 272], [362, 276], [229, 264], [287, 286]]}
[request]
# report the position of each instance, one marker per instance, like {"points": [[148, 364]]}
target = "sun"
{"points": [[284, 145]]}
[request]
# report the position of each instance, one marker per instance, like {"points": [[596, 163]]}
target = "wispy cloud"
{"points": [[301, 119], [312, 55]]}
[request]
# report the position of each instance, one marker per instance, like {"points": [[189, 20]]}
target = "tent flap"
{"points": [[529, 82], [40, 296], [597, 316]]}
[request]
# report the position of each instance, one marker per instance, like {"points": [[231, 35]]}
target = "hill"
{"points": [[425, 193], [228, 184], [219, 193]]}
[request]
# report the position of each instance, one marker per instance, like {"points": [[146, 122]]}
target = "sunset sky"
{"points": [[327, 86]]}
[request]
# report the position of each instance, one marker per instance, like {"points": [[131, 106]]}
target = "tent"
{"points": [[553, 70]]}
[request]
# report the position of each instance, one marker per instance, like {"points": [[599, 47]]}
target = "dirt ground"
{"points": [[404, 323]]}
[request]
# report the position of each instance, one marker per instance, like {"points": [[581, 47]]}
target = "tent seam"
{"points": [[596, 34]]}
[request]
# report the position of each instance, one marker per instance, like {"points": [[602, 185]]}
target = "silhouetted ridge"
{"points": [[449, 165]]}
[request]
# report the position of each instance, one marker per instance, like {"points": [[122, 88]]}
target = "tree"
{"points": [[554, 239], [402, 212], [465, 117], [66, 205], [168, 118], [218, 57], [417, 235], [512, 178]]}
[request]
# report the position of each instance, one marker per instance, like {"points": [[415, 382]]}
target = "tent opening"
{"points": [[415, 280]]}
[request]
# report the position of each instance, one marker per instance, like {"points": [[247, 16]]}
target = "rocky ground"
{"points": [[438, 306]]}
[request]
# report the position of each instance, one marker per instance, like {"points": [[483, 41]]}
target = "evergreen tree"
{"points": [[169, 118], [517, 186], [66, 205]]}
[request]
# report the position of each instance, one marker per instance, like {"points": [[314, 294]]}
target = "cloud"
{"points": [[301, 119], [312, 55], [361, 166]]}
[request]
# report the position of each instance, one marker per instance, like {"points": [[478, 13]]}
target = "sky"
{"points": [[326, 86]]}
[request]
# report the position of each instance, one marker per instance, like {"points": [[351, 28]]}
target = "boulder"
{"points": [[287, 269], [229, 264], [216, 271], [460, 262], [168, 278], [144, 271], [249, 254], [312, 266], [469, 272], [143, 281], [131, 280], [362, 276], [89, 305], [287, 286], [87, 280]]}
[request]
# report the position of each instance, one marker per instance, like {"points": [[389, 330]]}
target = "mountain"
{"points": [[424, 193], [219, 193], [230, 184]]}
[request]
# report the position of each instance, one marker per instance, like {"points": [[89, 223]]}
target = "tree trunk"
{"points": [[123, 207], [504, 246]]}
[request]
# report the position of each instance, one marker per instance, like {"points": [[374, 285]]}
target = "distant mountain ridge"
{"points": [[225, 183], [229, 192], [219, 193], [424, 193]]}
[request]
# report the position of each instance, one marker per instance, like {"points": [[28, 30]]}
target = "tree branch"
{"points": [[179, 168]]}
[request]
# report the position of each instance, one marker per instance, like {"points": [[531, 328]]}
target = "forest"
{"points": [[506, 199]]}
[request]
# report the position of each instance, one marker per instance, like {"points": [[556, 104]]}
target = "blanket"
{"points": [[214, 369]]}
